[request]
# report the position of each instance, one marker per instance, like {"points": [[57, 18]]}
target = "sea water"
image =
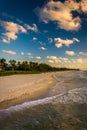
{"points": [[69, 86]]}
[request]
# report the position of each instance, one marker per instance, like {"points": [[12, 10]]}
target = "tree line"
{"points": [[27, 66]]}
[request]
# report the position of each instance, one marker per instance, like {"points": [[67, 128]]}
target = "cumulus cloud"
{"points": [[67, 42], [64, 59], [50, 61], [72, 5], [9, 52], [67, 62], [42, 43], [80, 60], [22, 53], [55, 59], [84, 6], [38, 57], [61, 13], [70, 53], [32, 28], [43, 48], [34, 38], [83, 53], [29, 54], [7, 40], [12, 29], [52, 57]]}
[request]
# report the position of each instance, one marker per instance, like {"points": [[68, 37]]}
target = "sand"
{"points": [[17, 89]]}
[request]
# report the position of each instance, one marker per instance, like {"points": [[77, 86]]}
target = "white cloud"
{"points": [[67, 42], [56, 59], [80, 60], [50, 61], [7, 40], [63, 58], [84, 6], [43, 48], [79, 63], [9, 52], [70, 53], [22, 53], [42, 43], [32, 28], [52, 57], [12, 29], [72, 5], [34, 38], [38, 57], [67, 62], [29, 54], [61, 13], [83, 53]]}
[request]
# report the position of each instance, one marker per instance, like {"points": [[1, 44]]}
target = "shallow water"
{"points": [[15, 116]]}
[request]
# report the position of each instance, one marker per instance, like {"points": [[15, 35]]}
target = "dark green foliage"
{"points": [[12, 64], [33, 66], [3, 64], [44, 67], [14, 67]]}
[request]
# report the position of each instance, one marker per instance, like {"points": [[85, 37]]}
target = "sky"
{"points": [[44, 31]]}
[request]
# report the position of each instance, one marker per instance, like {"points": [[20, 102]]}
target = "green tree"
{"points": [[25, 65], [3, 63], [19, 65], [33, 66], [44, 67], [13, 64]]}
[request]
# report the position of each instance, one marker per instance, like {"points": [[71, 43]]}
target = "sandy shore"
{"points": [[16, 89]]}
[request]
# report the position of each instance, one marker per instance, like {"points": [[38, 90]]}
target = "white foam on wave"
{"points": [[83, 75], [29, 104], [78, 95], [75, 95]]}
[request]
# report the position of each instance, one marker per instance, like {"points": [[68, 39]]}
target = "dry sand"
{"points": [[16, 89]]}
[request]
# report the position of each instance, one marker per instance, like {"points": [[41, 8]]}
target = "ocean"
{"points": [[62, 107]]}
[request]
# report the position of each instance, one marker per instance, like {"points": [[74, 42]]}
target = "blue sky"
{"points": [[53, 32]]}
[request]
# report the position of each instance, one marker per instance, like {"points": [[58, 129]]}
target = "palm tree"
{"points": [[44, 67], [33, 65], [3, 63], [13, 64], [25, 65]]}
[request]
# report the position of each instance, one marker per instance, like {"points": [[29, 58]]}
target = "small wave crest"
{"points": [[78, 95]]}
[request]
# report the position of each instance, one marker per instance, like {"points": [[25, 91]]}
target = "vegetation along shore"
{"points": [[25, 67]]}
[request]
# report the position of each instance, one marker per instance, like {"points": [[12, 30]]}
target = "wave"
{"points": [[78, 95], [83, 75]]}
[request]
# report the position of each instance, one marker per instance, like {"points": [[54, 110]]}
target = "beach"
{"points": [[56, 101], [17, 89]]}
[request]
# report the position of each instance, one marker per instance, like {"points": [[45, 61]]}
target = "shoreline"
{"points": [[34, 86]]}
